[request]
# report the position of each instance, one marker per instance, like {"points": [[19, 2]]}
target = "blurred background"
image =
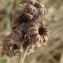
{"points": [[53, 20]]}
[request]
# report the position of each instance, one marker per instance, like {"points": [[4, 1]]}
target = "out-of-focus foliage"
{"points": [[53, 20]]}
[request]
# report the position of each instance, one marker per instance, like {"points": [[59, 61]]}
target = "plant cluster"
{"points": [[27, 29]]}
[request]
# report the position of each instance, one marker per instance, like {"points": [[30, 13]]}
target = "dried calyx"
{"points": [[27, 29]]}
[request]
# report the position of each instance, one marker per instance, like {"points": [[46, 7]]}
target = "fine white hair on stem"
{"points": [[22, 55]]}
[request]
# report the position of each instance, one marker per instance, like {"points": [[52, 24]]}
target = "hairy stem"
{"points": [[22, 56]]}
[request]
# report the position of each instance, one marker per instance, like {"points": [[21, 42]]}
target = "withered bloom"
{"points": [[27, 29], [9, 47], [37, 33], [34, 10]]}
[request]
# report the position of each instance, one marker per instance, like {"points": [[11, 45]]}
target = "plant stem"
{"points": [[22, 56]]}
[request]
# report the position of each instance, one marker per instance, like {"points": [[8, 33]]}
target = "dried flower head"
{"points": [[37, 33], [34, 10], [25, 12], [9, 47], [13, 42]]}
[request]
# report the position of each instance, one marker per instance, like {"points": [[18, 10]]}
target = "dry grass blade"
{"points": [[61, 61]]}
